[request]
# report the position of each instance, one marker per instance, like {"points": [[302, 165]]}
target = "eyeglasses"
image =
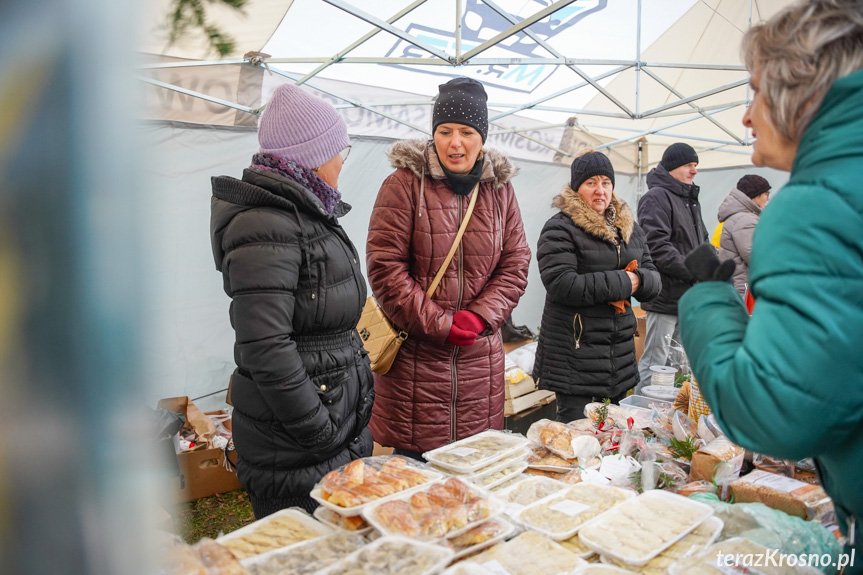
{"points": [[345, 153]]}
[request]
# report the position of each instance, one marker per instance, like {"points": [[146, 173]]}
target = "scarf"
{"points": [[328, 195], [462, 184]]}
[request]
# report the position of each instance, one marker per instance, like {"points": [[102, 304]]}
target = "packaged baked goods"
{"points": [[700, 537], [392, 555], [466, 568], [528, 554], [307, 557], [563, 440], [471, 454], [561, 515], [696, 487], [443, 509], [497, 475], [203, 558], [720, 456], [283, 528], [350, 523], [568, 477], [542, 458], [349, 488], [575, 545], [783, 493], [638, 529], [600, 569], [735, 555], [479, 537], [529, 491]]}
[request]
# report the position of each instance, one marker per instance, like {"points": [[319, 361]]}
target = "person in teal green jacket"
{"points": [[788, 381]]}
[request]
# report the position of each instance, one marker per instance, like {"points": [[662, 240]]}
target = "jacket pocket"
{"points": [[331, 390], [319, 293], [577, 330]]}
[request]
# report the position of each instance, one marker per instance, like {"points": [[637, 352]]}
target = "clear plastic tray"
{"points": [[269, 526], [393, 555], [498, 526], [599, 569], [466, 568], [473, 453], [330, 517], [570, 507], [527, 491], [306, 557], [665, 393], [704, 562], [432, 475], [696, 540], [449, 521], [640, 522]]}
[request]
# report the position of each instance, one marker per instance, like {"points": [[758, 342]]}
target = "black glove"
{"points": [[704, 265]]}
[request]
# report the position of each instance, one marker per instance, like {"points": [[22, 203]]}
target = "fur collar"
{"points": [[414, 154], [585, 217]]}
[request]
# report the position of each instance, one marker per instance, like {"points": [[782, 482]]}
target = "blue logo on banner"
{"points": [[479, 24]]}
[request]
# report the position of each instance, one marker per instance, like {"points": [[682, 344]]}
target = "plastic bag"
{"points": [[557, 437], [773, 464], [771, 528], [524, 356]]}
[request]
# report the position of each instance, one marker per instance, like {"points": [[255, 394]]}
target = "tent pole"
{"points": [[458, 30], [638, 69], [640, 188]]}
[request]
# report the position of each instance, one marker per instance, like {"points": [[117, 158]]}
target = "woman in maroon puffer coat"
{"points": [[447, 380]]}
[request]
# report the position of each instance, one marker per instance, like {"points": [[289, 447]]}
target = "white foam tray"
{"points": [[702, 512], [445, 556], [514, 443], [300, 516], [317, 494], [251, 562]]}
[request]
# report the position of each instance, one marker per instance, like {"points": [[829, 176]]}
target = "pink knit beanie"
{"points": [[302, 128]]}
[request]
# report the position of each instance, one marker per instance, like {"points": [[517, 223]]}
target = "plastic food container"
{"points": [[306, 557], [699, 538], [446, 508], [527, 491], [473, 453], [529, 554], [639, 529], [347, 524], [660, 392], [360, 481], [598, 569], [281, 529], [466, 568], [561, 515], [480, 537], [705, 562], [643, 402], [497, 476], [393, 555]]}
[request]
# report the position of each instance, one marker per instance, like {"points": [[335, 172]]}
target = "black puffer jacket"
{"points": [[585, 348], [302, 390], [670, 215]]}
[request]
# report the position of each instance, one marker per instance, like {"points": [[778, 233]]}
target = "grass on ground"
{"points": [[212, 516]]}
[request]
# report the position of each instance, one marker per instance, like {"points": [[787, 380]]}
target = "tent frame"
{"points": [[470, 58]]}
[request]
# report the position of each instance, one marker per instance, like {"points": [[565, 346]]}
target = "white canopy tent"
{"points": [[628, 77]]}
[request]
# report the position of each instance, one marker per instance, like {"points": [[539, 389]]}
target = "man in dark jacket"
{"points": [[670, 215]]}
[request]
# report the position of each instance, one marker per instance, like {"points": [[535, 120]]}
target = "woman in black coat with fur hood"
{"points": [[592, 257]]}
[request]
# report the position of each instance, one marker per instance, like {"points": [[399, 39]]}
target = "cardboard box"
{"points": [[533, 399], [508, 346], [202, 472], [523, 387]]}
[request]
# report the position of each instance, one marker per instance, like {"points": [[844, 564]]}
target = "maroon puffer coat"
{"points": [[436, 393]]}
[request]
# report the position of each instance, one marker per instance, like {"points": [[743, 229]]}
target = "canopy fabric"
{"points": [[611, 72]]}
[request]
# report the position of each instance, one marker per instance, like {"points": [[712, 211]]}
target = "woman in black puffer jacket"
{"points": [[302, 390], [586, 348]]}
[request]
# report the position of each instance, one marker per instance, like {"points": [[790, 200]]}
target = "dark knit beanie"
{"points": [[678, 154], [753, 186], [589, 165], [462, 101]]}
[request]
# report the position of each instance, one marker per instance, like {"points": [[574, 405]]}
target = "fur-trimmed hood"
{"points": [[416, 154], [588, 219]]}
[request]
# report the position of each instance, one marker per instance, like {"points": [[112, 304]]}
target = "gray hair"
{"points": [[799, 53]]}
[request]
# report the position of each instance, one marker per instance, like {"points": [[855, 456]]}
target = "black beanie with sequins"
{"points": [[462, 101]]}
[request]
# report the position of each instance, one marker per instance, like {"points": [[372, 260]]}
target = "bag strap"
{"points": [[439, 276]]}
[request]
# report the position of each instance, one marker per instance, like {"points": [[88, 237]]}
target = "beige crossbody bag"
{"points": [[381, 340]]}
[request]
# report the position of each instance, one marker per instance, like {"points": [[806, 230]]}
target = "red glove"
{"points": [[469, 321], [460, 337]]}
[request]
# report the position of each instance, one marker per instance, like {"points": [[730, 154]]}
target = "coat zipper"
{"points": [[452, 417], [579, 331]]}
